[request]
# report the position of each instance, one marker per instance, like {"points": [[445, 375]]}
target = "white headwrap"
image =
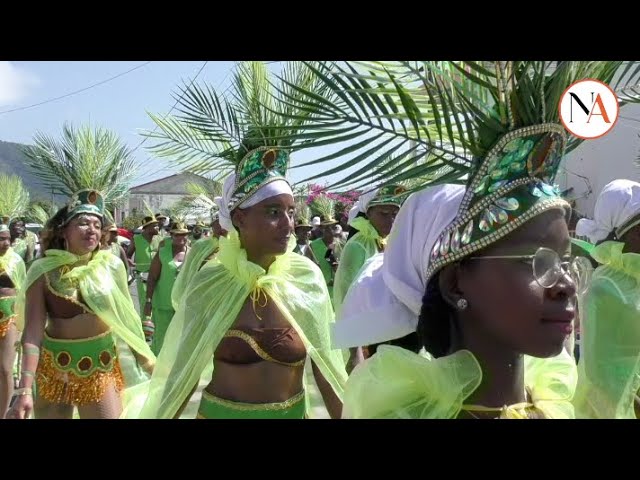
{"points": [[618, 202], [277, 187], [384, 302], [315, 221], [362, 205]]}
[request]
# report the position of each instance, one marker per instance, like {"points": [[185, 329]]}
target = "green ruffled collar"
{"points": [[365, 228], [66, 259], [610, 254], [234, 258]]}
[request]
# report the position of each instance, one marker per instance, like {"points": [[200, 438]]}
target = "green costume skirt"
{"points": [[212, 407]]}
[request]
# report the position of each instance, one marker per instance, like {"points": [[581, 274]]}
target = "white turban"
{"points": [[272, 189], [618, 203], [384, 302], [362, 205]]}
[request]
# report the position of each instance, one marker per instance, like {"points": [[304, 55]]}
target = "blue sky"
{"points": [[120, 105]]}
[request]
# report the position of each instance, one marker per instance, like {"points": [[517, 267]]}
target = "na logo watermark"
{"points": [[589, 109]]}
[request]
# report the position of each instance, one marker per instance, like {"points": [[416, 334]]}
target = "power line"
{"points": [[75, 92], [627, 118], [148, 160], [174, 105]]}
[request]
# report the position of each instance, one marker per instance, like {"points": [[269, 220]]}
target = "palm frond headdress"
{"points": [[249, 132], [92, 167], [493, 126], [14, 200], [303, 213]]}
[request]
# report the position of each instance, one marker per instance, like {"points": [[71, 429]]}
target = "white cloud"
{"points": [[15, 83]]}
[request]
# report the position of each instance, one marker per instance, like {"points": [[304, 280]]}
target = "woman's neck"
{"points": [[82, 257], [265, 261], [502, 370]]}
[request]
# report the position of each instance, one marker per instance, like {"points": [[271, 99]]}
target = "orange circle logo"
{"points": [[589, 109]]}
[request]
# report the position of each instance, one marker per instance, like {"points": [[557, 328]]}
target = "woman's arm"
{"points": [[35, 322], [30, 254], [356, 357], [331, 400], [125, 261], [152, 280], [132, 249], [185, 403]]}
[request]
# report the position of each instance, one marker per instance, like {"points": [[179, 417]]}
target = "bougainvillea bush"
{"points": [[344, 200]]}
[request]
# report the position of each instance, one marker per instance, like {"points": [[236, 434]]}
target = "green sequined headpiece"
{"points": [[513, 184], [258, 168], [390, 195], [85, 201], [494, 125]]}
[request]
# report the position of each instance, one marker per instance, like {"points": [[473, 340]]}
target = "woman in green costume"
{"points": [[162, 276], [82, 340], [143, 248], [13, 202], [257, 309], [325, 249], [370, 221], [23, 241], [200, 252], [302, 230], [485, 270], [110, 242]]}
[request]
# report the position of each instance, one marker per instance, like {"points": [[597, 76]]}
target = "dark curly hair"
{"points": [[51, 237], [437, 319]]}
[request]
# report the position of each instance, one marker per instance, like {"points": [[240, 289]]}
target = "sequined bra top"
{"points": [[244, 345], [62, 298]]}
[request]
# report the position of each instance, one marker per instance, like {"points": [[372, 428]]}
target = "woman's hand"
{"points": [[22, 408], [148, 328]]}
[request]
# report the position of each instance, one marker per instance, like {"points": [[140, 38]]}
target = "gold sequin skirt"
{"points": [[78, 372]]}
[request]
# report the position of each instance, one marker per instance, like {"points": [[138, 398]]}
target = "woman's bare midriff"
{"points": [[261, 382], [7, 292], [68, 320], [5, 282], [85, 325]]}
